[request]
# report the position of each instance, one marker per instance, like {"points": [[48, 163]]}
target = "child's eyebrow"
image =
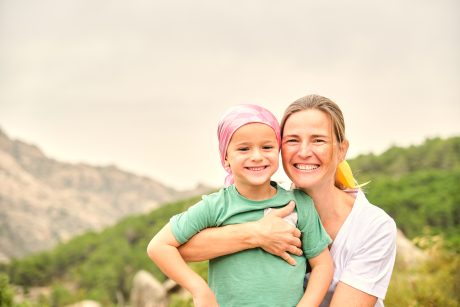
{"points": [[242, 143]]}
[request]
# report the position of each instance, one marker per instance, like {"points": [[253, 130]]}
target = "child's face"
{"points": [[252, 154]]}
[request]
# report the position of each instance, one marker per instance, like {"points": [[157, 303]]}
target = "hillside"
{"points": [[44, 201], [418, 186], [433, 154], [100, 265]]}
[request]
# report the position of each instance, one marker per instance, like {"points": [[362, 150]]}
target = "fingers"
{"points": [[295, 250], [296, 233], [286, 210], [286, 257], [296, 242]]}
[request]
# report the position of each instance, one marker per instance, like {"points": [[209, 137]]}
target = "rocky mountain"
{"points": [[44, 201]]}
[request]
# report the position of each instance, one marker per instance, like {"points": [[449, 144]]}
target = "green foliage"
{"points": [[6, 293], [60, 296], [423, 200], [432, 283], [418, 186], [99, 264], [433, 154], [177, 301]]}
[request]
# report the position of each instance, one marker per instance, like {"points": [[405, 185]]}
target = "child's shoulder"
{"points": [[293, 194], [301, 197], [217, 196]]}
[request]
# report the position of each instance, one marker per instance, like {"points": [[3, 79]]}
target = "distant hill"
{"points": [[434, 154], [44, 201]]}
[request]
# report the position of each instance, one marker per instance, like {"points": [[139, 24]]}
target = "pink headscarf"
{"points": [[236, 117]]}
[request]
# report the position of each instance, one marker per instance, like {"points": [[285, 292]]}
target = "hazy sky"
{"points": [[142, 84]]}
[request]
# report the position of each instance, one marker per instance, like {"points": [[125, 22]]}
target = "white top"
{"points": [[364, 251]]}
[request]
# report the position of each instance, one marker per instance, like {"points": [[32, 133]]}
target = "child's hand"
{"points": [[204, 298]]}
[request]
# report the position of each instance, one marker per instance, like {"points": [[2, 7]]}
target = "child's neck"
{"points": [[256, 192]]}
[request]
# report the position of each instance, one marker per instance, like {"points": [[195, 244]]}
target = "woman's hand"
{"points": [[276, 236]]}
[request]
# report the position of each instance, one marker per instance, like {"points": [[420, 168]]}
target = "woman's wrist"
{"points": [[252, 234]]}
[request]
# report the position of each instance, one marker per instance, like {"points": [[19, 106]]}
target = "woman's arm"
{"points": [[271, 233], [347, 296], [367, 274]]}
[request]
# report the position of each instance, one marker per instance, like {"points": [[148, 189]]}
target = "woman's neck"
{"points": [[333, 206], [256, 192]]}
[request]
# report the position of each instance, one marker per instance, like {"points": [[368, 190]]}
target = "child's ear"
{"points": [[227, 164]]}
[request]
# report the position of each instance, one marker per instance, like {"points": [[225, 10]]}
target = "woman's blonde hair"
{"points": [[322, 104], [344, 176]]}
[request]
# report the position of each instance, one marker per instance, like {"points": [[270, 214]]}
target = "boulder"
{"points": [[147, 291], [407, 252], [85, 303]]}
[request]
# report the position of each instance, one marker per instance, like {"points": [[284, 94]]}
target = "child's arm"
{"points": [[162, 249], [322, 270]]}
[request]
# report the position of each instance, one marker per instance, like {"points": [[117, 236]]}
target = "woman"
{"points": [[364, 236]]}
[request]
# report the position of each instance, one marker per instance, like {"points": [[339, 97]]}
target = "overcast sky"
{"points": [[143, 83]]}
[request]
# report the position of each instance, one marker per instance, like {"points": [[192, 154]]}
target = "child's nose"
{"points": [[257, 155]]}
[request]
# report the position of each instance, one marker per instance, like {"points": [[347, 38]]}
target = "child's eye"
{"points": [[243, 149], [268, 147]]}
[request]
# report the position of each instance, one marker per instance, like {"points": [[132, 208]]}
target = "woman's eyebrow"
{"points": [[320, 136], [290, 135]]}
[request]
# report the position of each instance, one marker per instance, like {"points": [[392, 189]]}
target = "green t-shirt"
{"points": [[253, 277]]}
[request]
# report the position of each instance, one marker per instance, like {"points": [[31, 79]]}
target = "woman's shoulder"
{"points": [[367, 208], [372, 216]]}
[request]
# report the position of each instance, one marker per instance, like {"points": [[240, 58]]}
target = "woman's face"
{"points": [[310, 152]]}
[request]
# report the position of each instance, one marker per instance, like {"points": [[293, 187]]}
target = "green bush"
{"points": [[435, 282], [6, 293]]}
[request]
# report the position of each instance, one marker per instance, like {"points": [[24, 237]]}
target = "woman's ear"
{"points": [[343, 148]]}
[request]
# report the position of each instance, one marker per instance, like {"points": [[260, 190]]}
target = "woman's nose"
{"points": [[304, 150]]}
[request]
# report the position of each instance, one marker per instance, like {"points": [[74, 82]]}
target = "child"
{"points": [[249, 143]]}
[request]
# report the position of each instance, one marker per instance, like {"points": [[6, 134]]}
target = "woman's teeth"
{"points": [[306, 167]]}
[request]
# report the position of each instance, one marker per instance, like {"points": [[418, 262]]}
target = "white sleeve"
{"points": [[371, 264]]}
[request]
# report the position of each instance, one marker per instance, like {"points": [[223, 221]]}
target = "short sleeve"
{"points": [[371, 265], [188, 223], [314, 237]]}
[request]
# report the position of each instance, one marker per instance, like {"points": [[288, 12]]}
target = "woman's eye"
{"points": [[319, 141], [291, 141]]}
